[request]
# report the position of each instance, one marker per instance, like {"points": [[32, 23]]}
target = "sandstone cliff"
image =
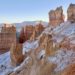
{"points": [[7, 36], [56, 17]]}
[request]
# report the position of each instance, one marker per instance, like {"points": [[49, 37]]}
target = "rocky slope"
{"points": [[43, 60]]}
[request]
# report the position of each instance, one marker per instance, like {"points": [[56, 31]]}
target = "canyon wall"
{"points": [[7, 36]]}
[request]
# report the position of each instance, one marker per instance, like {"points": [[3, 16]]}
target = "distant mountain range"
{"points": [[30, 23], [27, 23]]}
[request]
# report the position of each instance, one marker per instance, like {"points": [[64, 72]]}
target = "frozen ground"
{"points": [[5, 63], [63, 58], [27, 46]]}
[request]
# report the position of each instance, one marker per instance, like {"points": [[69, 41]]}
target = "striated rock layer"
{"points": [[7, 36], [56, 17]]}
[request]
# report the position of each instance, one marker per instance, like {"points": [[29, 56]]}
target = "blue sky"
{"points": [[29, 10]]}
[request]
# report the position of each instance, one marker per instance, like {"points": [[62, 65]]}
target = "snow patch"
{"points": [[27, 46], [5, 63], [62, 58], [41, 54]]}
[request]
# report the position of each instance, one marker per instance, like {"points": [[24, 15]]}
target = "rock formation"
{"points": [[68, 43], [37, 31], [8, 28], [56, 17], [41, 40], [48, 45], [7, 36], [71, 13], [22, 37], [26, 33], [16, 54], [65, 44]]}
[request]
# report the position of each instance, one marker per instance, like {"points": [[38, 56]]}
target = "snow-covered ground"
{"points": [[27, 46], [5, 63], [62, 58], [65, 30], [61, 31]]}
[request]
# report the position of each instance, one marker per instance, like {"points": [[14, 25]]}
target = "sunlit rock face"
{"points": [[16, 54], [70, 70], [8, 28], [41, 40], [39, 27], [7, 36], [71, 13], [26, 33], [46, 43], [37, 31], [56, 17]]}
